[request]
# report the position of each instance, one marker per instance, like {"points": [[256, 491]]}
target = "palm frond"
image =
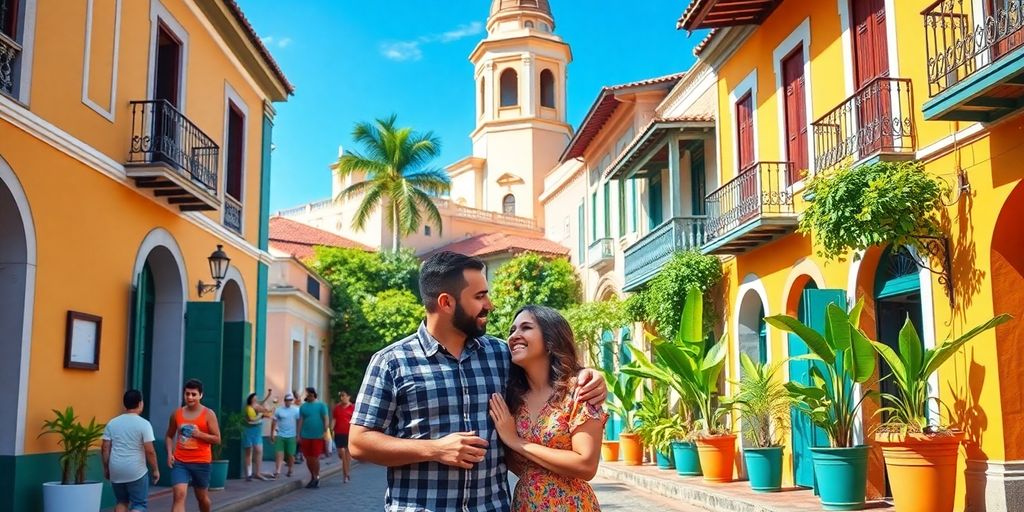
{"points": [[432, 181], [426, 202], [370, 202]]}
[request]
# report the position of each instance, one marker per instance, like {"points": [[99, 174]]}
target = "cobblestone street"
{"points": [[366, 493]]}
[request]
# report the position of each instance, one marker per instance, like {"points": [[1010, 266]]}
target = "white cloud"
{"points": [[462, 31], [412, 50], [280, 42], [402, 50]]}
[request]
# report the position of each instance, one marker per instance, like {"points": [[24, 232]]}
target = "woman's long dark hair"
{"points": [[250, 398], [561, 347]]}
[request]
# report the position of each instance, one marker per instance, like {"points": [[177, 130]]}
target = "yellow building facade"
{"points": [[134, 140], [805, 87]]}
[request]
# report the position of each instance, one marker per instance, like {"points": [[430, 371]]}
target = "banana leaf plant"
{"points": [[911, 368], [689, 366], [847, 358], [76, 439], [622, 397]]}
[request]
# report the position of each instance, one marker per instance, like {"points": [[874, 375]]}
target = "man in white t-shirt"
{"points": [[127, 448], [283, 434]]}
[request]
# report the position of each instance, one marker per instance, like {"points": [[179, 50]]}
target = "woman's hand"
{"points": [[591, 388], [504, 423]]}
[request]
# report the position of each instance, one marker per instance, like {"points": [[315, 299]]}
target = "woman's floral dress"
{"points": [[538, 488]]}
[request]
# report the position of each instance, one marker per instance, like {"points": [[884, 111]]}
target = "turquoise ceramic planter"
{"points": [[686, 459], [218, 474], [764, 468], [665, 459], [842, 476]]}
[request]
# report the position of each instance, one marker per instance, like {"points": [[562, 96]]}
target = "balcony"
{"points": [[750, 210], [172, 156], [876, 122], [645, 258], [975, 58], [601, 254], [9, 51], [232, 214], [486, 216]]}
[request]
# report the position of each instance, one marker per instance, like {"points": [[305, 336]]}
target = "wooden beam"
{"points": [[184, 200], [156, 184], [170, 192], [203, 207], [986, 102]]}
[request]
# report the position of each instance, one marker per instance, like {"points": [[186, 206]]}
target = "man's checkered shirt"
{"points": [[415, 389]]}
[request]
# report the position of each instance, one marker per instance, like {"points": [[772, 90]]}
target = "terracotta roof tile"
{"points": [[258, 43], [494, 243], [697, 50], [299, 239]]}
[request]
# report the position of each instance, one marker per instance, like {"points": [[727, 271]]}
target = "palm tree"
{"points": [[398, 177]]}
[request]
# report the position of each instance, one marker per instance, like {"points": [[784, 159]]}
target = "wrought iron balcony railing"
{"points": [[161, 134], [232, 214], [644, 259], [964, 36], [878, 118], [601, 252], [9, 51], [761, 189]]}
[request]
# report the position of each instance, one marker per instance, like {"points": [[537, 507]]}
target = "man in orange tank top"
{"points": [[190, 433]]}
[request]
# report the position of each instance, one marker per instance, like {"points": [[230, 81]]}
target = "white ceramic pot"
{"points": [[72, 498]]}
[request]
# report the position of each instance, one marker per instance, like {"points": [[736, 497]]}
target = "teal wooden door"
{"points": [[614, 425], [204, 349], [654, 210], [140, 359], [805, 435], [235, 383]]}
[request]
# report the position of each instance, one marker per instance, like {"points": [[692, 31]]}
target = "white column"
{"points": [[674, 195], [527, 79], [564, 106]]}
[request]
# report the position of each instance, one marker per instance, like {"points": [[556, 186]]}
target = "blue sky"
{"points": [[356, 60]]}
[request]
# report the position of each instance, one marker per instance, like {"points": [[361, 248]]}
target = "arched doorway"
{"points": [[752, 336], [808, 303], [237, 358], [1008, 297], [17, 273]]}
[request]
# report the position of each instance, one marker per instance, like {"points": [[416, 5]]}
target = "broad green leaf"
{"points": [[944, 352], [799, 390], [855, 313], [691, 327], [818, 378], [861, 363], [839, 326], [887, 353], [747, 364], [810, 337], [675, 359], [910, 350], [714, 357]]}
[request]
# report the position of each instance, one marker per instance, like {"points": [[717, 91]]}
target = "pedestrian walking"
{"points": [[191, 432], [313, 422], [127, 449], [284, 434], [252, 436], [341, 418]]}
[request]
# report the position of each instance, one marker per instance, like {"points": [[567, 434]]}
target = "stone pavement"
{"points": [[239, 495], [366, 493]]}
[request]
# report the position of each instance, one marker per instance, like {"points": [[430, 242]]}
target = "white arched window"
{"points": [[509, 88], [482, 96], [547, 89], [508, 205], [528, 24]]}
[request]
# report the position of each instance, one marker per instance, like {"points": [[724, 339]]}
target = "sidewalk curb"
{"points": [[271, 493], [677, 489]]}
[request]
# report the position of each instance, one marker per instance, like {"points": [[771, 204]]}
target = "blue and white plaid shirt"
{"points": [[415, 389]]}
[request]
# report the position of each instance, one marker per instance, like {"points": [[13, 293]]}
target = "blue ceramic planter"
{"points": [[686, 459], [764, 468], [665, 459], [842, 476]]}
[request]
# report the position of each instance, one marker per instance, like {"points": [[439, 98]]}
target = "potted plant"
{"points": [[230, 430], [73, 492], [654, 425], [764, 404], [692, 368], [920, 456], [622, 402], [842, 357]]}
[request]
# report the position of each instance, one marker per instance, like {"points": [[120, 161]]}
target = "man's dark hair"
{"points": [[195, 384], [132, 398], [442, 273], [311, 391]]}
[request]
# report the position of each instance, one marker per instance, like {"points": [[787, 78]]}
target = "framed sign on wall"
{"points": [[82, 341]]}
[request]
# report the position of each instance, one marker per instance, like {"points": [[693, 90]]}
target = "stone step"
{"points": [[717, 497]]}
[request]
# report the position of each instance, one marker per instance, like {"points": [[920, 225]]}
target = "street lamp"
{"points": [[218, 269]]}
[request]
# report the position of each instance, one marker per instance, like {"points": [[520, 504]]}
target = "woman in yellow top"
{"points": [[252, 436], [553, 440]]}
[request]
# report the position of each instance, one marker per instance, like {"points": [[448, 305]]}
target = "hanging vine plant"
{"points": [[871, 205]]}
